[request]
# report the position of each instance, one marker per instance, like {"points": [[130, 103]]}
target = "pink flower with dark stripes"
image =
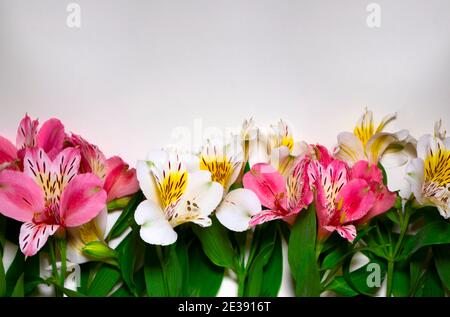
{"points": [[49, 137], [48, 195]]}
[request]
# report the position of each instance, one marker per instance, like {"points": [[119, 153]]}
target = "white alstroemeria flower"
{"points": [[224, 162], [275, 146], [392, 150], [368, 143], [79, 237], [177, 192], [429, 173]]}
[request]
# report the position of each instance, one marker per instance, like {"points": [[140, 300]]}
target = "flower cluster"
{"points": [[185, 215]]}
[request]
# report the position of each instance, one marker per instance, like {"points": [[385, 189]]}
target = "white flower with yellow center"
{"points": [[177, 192], [429, 173], [225, 162], [372, 144], [275, 146], [392, 150]]}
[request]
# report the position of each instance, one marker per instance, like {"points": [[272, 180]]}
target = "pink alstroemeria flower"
{"points": [[48, 195], [284, 198], [339, 200], [119, 180], [384, 199], [50, 138]]}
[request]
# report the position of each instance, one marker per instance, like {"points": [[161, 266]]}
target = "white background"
{"points": [[135, 70]]}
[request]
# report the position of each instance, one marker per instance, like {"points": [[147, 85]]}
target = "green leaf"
{"points": [[14, 272], [356, 282], [153, 272], [302, 254], [201, 269], [104, 281], [273, 272], [216, 243], [126, 218], [442, 262], [432, 234], [128, 251], [400, 280], [336, 255], [255, 274], [173, 272], [432, 285], [18, 288], [122, 292]]}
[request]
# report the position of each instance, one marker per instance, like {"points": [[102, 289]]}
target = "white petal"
{"points": [[258, 150], [423, 146], [444, 212], [237, 208], [147, 181], [350, 148], [155, 229], [377, 145], [204, 192], [447, 143], [415, 177]]}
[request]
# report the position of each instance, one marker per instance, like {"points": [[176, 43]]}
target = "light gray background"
{"points": [[137, 69]]}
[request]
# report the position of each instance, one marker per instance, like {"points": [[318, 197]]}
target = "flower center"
{"points": [[437, 167], [220, 168], [172, 188]]}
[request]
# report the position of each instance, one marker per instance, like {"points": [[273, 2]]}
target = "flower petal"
{"points": [[120, 180], [265, 181], [33, 237], [20, 196], [82, 200], [155, 229], [356, 199], [377, 145], [147, 181], [51, 137], [26, 134], [78, 237], [237, 208], [415, 177], [265, 216], [350, 148], [204, 192], [8, 151]]}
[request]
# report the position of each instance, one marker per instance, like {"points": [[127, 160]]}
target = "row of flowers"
{"points": [[263, 185]]}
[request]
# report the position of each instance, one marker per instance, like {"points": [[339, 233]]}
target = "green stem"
{"points": [[55, 273], [403, 230], [390, 275], [241, 283], [63, 254]]}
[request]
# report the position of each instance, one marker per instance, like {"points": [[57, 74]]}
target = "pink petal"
{"points": [[323, 155], [120, 180], [66, 166], [92, 159], [348, 232], [384, 200], [8, 151], [20, 196], [268, 184], [26, 135], [33, 237], [356, 200], [265, 216], [82, 200], [38, 166], [51, 137], [368, 172]]}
